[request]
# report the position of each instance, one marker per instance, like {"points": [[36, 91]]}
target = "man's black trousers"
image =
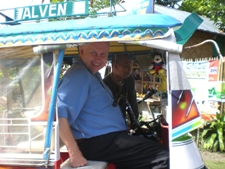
{"points": [[125, 151]]}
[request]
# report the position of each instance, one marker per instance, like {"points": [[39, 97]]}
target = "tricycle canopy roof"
{"points": [[117, 28]]}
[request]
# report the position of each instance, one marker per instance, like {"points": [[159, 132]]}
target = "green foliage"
{"points": [[213, 9], [56, 1], [213, 133]]}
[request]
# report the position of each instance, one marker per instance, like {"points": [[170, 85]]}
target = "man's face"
{"points": [[94, 55], [124, 68]]}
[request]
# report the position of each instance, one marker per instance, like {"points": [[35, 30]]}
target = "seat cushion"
{"points": [[89, 165]]}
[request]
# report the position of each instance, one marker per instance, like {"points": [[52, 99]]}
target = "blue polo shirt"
{"points": [[86, 102]]}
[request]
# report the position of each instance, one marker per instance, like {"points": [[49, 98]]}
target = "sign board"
{"points": [[207, 90], [54, 10], [196, 70]]}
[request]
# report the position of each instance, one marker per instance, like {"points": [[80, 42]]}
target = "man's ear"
{"points": [[81, 50], [115, 65]]}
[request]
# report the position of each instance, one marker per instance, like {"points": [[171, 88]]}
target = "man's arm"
{"points": [[76, 157]]}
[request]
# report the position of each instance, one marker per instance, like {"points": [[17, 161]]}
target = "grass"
{"points": [[214, 165]]}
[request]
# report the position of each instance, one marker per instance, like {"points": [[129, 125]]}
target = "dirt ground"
{"points": [[213, 160]]}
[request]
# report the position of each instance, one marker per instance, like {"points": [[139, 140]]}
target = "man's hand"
{"points": [[76, 158]]}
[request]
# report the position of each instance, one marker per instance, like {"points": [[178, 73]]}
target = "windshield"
{"points": [[25, 89]]}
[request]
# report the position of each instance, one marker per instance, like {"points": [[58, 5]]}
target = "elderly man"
{"points": [[91, 127]]}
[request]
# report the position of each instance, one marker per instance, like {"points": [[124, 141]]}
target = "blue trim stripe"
{"points": [[185, 129]]}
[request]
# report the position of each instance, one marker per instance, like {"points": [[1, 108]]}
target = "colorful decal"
{"points": [[185, 113]]}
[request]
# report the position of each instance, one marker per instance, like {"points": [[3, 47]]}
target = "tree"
{"points": [[213, 9], [213, 133], [100, 4]]}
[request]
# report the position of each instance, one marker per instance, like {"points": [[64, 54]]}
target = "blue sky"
{"points": [[17, 3]]}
